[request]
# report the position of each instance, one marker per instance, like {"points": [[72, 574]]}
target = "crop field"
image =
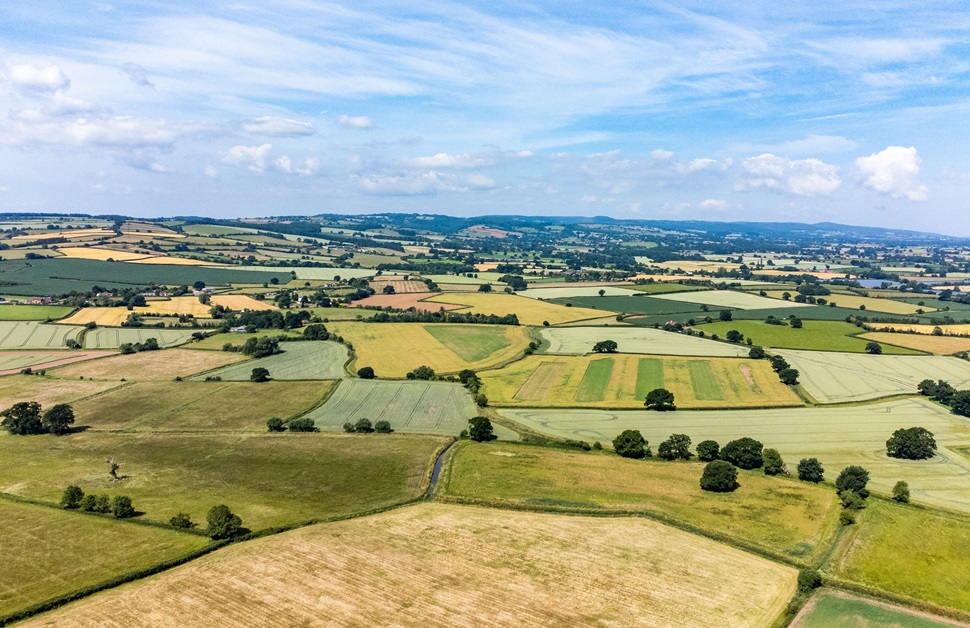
{"points": [[92, 252], [569, 291], [693, 266], [267, 479], [623, 380], [299, 361], [411, 406], [632, 304], [813, 336], [113, 338], [13, 312], [102, 316], [838, 437], [31, 335], [67, 233], [14, 361], [45, 391], [853, 302], [728, 299], [42, 550], [791, 518], [537, 564], [839, 377], [960, 329], [393, 349], [216, 342], [917, 553], [940, 345], [663, 287], [404, 287], [405, 301], [148, 365], [216, 229], [529, 311], [836, 608], [580, 340], [171, 260]]}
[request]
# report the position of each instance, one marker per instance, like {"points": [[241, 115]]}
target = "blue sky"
{"points": [[810, 111]]}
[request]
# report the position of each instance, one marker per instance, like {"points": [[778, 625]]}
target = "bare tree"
{"points": [[115, 465]]}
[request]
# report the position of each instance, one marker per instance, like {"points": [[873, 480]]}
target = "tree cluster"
{"points": [[364, 426], [75, 499], [151, 344], [25, 418], [605, 346]]}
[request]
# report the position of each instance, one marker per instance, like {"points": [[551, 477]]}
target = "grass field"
{"points": [[917, 553], [836, 608], [853, 302], [267, 479], [729, 299], [580, 340], [47, 391], [558, 381], [215, 342], [434, 564], [14, 312], [940, 345], [814, 336], [839, 377], [782, 516], [148, 365], [114, 338], [299, 360], [14, 361], [569, 291], [49, 552], [31, 335], [393, 349], [67, 233], [838, 437], [529, 311], [198, 406]]}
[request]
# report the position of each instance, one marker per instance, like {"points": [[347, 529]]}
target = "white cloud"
{"points": [[893, 171], [713, 203], [444, 160], [278, 127], [699, 165], [803, 177], [661, 155], [252, 158], [211, 172], [356, 122], [286, 165], [47, 79]]}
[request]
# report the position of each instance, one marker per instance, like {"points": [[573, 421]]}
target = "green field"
{"points": [[31, 335], [580, 340], [469, 342], [595, 380], [112, 338], [33, 312], [49, 552], [650, 376], [267, 479], [704, 381], [664, 287], [836, 608], [299, 361], [780, 515], [730, 299], [572, 292], [814, 335], [215, 342]]}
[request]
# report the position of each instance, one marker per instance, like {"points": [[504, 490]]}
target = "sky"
{"points": [[852, 112]]}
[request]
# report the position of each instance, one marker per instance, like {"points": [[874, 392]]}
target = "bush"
{"points": [[181, 521], [676, 447], [480, 429], [719, 477], [87, 503], [349, 427], [383, 427], [901, 492], [275, 424], [121, 507], [853, 478], [366, 372], [102, 503], [847, 517], [708, 450], [259, 375], [422, 372], [223, 524], [774, 465], [363, 426], [913, 443], [808, 580], [851, 500], [756, 353], [305, 424], [631, 444], [810, 470], [72, 497], [744, 453]]}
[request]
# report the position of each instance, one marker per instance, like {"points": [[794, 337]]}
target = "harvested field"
{"points": [[148, 365], [47, 392], [838, 608], [405, 301], [854, 302], [115, 316], [239, 302], [49, 552], [67, 233], [12, 312], [384, 566], [580, 340], [192, 406], [529, 311], [299, 361], [30, 335], [393, 349], [14, 361], [399, 285], [92, 252], [838, 437], [728, 299], [792, 518], [557, 381], [940, 345], [838, 377], [101, 316], [948, 330], [114, 338], [813, 336]]}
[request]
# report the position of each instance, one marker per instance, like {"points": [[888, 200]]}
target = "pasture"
{"points": [[31, 335], [795, 519], [570, 291], [940, 345], [299, 361], [813, 336], [14, 361], [103, 338], [836, 608], [855, 302], [148, 365], [838, 437], [47, 391], [15, 312], [840, 377], [623, 381], [43, 550], [529, 311], [197, 406], [267, 479], [384, 566], [728, 299], [580, 340], [393, 349]]}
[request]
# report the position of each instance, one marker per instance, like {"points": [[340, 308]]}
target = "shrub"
{"points": [[366, 372], [87, 503], [708, 450], [744, 453], [181, 521], [719, 477], [901, 492], [121, 507], [383, 427], [847, 517], [851, 500], [223, 524], [349, 427], [774, 465], [913, 443], [631, 444], [259, 375], [304, 424], [363, 426], [72, 497], [808, 580], [275, 424], [853, 478], [810, 470], [102, 503]]}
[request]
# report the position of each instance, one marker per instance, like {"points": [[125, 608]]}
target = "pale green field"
{"points": [[837, 608], [728, 298], [838, 437], [580, 340], [102, 338], [299, 360], [580, 291], [31, 335]]}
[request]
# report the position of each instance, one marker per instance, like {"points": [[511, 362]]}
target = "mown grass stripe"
{"points": [[704, 381], [650, 376], [595, 380]]}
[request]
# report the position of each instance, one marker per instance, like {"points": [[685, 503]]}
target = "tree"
{"points": [[58, 419], [944, 393], [72, 497], [960, 403], [874, 348], [102, 503], [366, 372], [853, 478], [485, 287], [316, 331], [796, 323], [927, 388], [810, 470], [605, 346], [676, 447], [304, 424], [480, 429], [631, 444], [275, 424], [388, 289], [223, 524], [734, 336], [87, 503], [259, 374], [725, 315], [708, 450], [774, 465], [198, 285], [851, 500], [349, 427], [744, 453], [756, 353], [788, 376], [778, 363], [114, 466], [422, 372], [22, 418], [719, 477], [383, 426], [181, 521], [901, 492], [121, 507], [660, 399], [363, 426], [261, 347], [913, 443], [601, 292], [808, 580]]}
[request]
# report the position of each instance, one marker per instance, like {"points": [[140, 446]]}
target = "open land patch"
{"points": [[48, 391], [529, 311], [855, 302], [838, 437], [113, 338], [148, 365], [837, 608], [16, 312], [13, 361], [571, 291], [385, 565], [940, 345], [728, 299], [31, 335], [405, 301], [813, 335], [580, 340], [309, 359], [103, 254]]}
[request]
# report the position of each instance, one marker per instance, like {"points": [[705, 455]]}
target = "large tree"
{"points": [[853, 478], [605, 346], [660, 399], [719, 477], [631, 444], [744, 453], [810, 470], [677, 446], [22, 418], [223, 524], [959, 402], [58, 419], [912, 443], [708, 450], [480, 429]]}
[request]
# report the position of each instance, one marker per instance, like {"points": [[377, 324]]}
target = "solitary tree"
{"points": [[719, 477], [853, 478], [22, 418], [121, 507], [796, 323], [485, 287], [810, 470], [660, 399], [601, 292], [913, 443], [480, 429], [259, 374], [734, 336], [72, 497], [774, 465], [744, 453], [114, 466], [366, 372], [605, 346], [901, 492], [223, 524], [58, 419], [676, 447], [725, 315], [874, 348], [708, 450], [631, 444]]}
